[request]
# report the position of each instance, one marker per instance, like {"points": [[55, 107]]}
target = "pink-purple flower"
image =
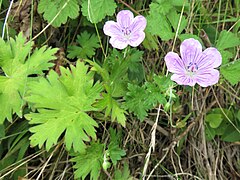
{"points": [[195, 65], [126, 31]]}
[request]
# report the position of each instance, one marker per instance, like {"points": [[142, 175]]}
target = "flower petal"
{"points": [[182, 79], [139, 24], [136, 38], [111, 28], [118, 42], [207, 77], [190, 50], [125, 18], [213, 56], [174, 63]]}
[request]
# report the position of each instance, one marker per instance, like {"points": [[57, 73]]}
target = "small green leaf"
{"points": [[118, 113], [115, 152], [140, 99], [162, 6], [209, 132], [231, 135], [96, 10], [174, 18], [89, 162], [227, 40], [88, 43], [136, 101], [231, 72], [123, 174], [214, 120]]}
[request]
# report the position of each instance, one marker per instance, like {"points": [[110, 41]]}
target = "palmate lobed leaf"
{"points": [[17, 64], [62, 104], [140, 99], [89, 162], [67, 9], [87, 46], [115, 152]]}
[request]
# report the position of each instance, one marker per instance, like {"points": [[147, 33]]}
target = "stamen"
{"points": [[126, 31], [192, 67]]}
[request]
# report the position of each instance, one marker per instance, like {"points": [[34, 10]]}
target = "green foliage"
{"points": [[214, 120], [94, 158], [162, 17], [88, 43], [217, 124], [123, 174], [227, 40], [96, 10], [116, 72], [50, 8], [89, 162], [115, 152], [140, 99], [231, 72], [17, 63], [63, 103]]}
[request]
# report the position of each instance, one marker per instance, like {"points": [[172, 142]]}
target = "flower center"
{"points": [[126, 31], [192, 68]]}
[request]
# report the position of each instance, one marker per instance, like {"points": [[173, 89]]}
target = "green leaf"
{"points": [[135, 67], [209, 132], [162, 17], [162, 6], [231, 72], [89, 162], [118, 113], [214, 120], [88, 43], [50, 8], [182, 37], [227, 40], [17, 67], [158, 25], [141, 99], [63, 104], [136, 101], [226, 56], [112, 107], [123, 174], [96, 10], [231, 135], [174, 18], [115, 152]]}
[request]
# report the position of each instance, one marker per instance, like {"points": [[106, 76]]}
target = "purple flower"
{"points": [[195, 65], [126, 31]]}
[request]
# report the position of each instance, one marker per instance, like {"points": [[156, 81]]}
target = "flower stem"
{"points": [[99, 38]]}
